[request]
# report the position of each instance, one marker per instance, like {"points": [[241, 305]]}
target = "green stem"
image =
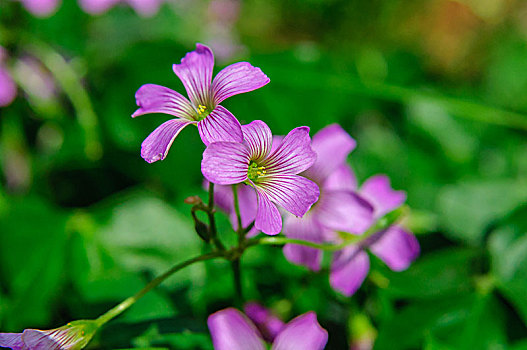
{"points": [[237, 211], [212, 220], [117, 310], [382, 224], [237, 275], [71, 84]]}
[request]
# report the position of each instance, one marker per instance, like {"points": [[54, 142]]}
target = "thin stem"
{"points": [[382, 224], [117, 310], [237, 211], [71, 84], [212, 220], [237, 281]]}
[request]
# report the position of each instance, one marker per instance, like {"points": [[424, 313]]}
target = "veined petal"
{"points": [[293, 155], [349, 268], [307, 229], [258, 138], [396, 247], [236, 79], [224, 199], [195, 72], [153, 98], [231, 330], [332, 146], [268, 324], [155, 147], [220, 125], [303, 332], [268, 219], [225, 163], [344, 211], [342, 178], [379, 193], [12, 340], [294, 193]]}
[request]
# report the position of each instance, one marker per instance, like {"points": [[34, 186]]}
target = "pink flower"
{"points": [[214, 122], [272, 174], [232, 330]]}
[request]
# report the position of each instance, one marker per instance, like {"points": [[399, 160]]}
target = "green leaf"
{"points": [[468, 208], [439, 274]]}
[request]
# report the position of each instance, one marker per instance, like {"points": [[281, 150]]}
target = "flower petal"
{"points": [[342, 178], [294, 193], [145, 8], [195, 72], [303, 332], [332, 146], [41, 8], [308, 229], [268, 324], [12, 340], [36, 339], [220, 125], [293, 155], [224, 199], [231, 330], [397, 248], [236, 79], [268, 219], [258, 138], [344, 211], [379, 193], [225, 163], [349, 269], [7, 88], [153, 98], [96, 7], [155, 147]]}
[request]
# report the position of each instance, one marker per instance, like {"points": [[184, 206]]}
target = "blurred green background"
{"points": [[434, 91]]}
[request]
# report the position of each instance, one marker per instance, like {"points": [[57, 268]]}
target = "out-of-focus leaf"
{"points": [[508, 249], [408, 327], [439, 274], [32, 256], [468, 208]]}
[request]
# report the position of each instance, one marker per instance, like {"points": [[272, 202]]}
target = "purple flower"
{"points": [[74, 335], [232, 330], [268, 324], [7, 85], [273, 175], [41, 8], [214, 122], [145, 8], [394, 245], [339, 207]]}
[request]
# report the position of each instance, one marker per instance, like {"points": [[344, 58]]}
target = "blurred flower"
{"points": [[273, 175], [7, 85], [232, 330], [220, 28], [146, 8], [73, 336], [394, 245], [214, 122], [339, 207], [268, 324], [34, 79], [41, 8]]}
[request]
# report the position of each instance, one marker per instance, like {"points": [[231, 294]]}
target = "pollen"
{"points": [[255, 171], [201, 109]]}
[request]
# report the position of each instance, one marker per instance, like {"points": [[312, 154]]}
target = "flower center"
{"points": [[255, 171], [203, 111]]}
